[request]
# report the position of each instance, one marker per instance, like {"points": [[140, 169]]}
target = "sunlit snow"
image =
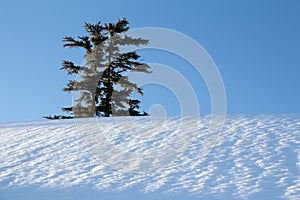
{"points": [[254, 157]]}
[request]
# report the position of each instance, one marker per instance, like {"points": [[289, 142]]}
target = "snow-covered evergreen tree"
{"points": [[105, 89]]}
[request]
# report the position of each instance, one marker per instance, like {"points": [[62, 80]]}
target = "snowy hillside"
{"points": [[254, 157]]}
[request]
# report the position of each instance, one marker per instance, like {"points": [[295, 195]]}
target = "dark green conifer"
{"points": [[105, 90]]}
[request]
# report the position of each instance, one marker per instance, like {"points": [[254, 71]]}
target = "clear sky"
{"points": [[254, 43]]}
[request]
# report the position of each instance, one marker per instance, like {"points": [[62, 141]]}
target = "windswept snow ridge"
{"points": [[254, 157]]}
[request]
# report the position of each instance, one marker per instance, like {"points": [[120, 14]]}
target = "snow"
{"points": [[253, 157]]}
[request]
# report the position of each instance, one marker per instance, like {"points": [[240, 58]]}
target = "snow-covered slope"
{"points": [[254, 157]]}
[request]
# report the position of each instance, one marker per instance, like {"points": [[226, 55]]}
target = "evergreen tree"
{"points": [[105, 89]]}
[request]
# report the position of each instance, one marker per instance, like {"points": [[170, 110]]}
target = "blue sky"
{"points": [[255, 44]]}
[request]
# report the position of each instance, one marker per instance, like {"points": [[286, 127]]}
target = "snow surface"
{"points": [[254, 157]]}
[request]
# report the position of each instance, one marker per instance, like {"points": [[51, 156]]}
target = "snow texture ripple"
{"points": [[255, 157]]}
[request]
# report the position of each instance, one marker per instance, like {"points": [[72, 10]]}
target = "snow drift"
{"points": [[253, 157]]}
